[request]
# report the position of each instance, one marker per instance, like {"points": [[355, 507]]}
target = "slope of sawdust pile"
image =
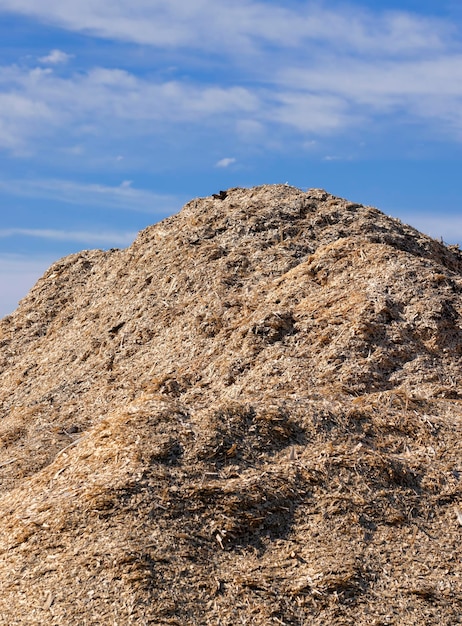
{"points": [[250, 416]]}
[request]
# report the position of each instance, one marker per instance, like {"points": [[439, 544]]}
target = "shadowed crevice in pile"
{"points": [[251, 415]]}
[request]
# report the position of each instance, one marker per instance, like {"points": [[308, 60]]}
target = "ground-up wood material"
{"points": [[252, 415]]}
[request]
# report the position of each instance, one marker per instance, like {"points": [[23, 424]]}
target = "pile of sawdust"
{"points": [[252, 415]]}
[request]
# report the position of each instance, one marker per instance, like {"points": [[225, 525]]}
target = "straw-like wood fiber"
{"points": [[252, 415]]}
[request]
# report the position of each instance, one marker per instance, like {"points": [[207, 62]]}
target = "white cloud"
{"points": [[314, 70], [36, 103], [338, 93], [238, 27], [55, 57], [123, 196], [380, 83], [328, 96], [226, 162], [21, 117], [104, 239], [309, 112]]}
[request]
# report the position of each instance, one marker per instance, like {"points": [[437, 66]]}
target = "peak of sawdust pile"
{"points": [[250, 416]]}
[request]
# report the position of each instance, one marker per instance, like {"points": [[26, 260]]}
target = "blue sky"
{"points": [[113, 114]]}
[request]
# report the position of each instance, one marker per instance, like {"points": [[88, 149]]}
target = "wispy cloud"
{"points": [[240, 26], [425, 88], [104, 238], [309, 112], [36, 102], [123, 196], [298, 67]]}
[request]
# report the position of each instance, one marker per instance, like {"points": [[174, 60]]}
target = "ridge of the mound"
{"points": [[250, 415]]}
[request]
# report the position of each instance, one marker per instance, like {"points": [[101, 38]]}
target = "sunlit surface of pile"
{"points": [[252, 415]]}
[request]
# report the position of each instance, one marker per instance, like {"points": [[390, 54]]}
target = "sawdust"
{"points": [[252, 415]]}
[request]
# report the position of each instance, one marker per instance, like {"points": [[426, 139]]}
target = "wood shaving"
{"points": [[252, 415]]}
